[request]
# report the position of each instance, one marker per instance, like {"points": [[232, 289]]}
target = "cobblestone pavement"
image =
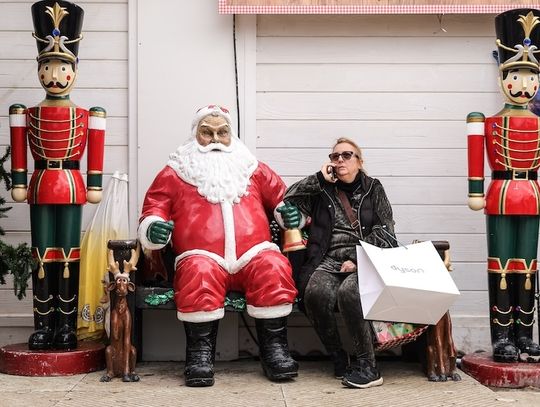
{"points": [[241, 383]]}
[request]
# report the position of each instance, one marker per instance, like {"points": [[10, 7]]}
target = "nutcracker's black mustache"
{"points": [[52, 84], [520, 93]]}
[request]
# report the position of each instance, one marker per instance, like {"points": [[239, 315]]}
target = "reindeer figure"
{"points": [[121, 355], [440, 350]]}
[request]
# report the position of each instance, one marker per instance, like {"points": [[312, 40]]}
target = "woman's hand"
{"points": [[328, 172], [348, 267]]}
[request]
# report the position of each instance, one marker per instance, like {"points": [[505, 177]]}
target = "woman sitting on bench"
{"points": [[346, 207]]}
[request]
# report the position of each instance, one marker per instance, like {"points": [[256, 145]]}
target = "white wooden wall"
{"points": [[102, 81], [401, 86]]}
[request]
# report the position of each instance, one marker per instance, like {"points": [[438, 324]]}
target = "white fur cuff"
{"points": [[143, 229], [201, 316], [276, 311]]}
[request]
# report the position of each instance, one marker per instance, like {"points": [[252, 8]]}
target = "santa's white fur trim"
{"points": [[217, 258], [276, 311], [234, 266], [143, 229], [228, 226], [279, 218], [251, 253], [201, 316]]}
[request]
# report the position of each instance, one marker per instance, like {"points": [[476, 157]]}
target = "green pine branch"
{"points": [[16, 260]]}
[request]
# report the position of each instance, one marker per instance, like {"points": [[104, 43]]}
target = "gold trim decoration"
{"points": [[476, 178], [68, 312], [502, 284], [520, 322], [66, 270], [94, 172], [43, 301], [44, 313], [476, 119], [17, 110], [41, 272], [528, 23], [476, 195], [528, 282], [19, 170], [97, 113], [67, 301], [57, 14], [94, 188], [496, 321], [496, 309]]}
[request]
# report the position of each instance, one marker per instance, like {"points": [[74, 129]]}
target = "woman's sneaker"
{"points": [[362, 375]]}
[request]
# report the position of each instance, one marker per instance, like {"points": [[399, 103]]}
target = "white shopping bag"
{"points": [[404, 284]]}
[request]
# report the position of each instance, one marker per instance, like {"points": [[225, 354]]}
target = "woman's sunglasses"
{"points": [[347, 155]]}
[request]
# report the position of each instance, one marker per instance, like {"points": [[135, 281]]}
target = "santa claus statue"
{"points": [[212, 202]]}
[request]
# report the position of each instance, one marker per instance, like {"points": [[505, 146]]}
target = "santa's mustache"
{"points": [[52, 84], [215, 146]]}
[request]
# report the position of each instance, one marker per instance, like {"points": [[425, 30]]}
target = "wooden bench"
{"points": [[435, 348]]}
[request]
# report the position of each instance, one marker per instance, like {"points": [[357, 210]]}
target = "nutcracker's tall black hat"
{"points": [[57, 29], [518, 39]]}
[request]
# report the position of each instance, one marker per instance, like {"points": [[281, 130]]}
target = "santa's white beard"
{"points": [[220, 173]]}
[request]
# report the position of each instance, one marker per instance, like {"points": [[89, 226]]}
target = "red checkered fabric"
{"points": [[402, 340], [226, 8]]}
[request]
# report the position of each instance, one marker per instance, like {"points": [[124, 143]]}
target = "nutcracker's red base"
{"points": [[510, 375], [18, 360]]}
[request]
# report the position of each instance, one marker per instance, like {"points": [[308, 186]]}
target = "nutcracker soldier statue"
{"points": [[511, 139], [57, 132]]}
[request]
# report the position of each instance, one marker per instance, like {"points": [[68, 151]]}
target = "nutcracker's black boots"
{"points": [[200, 353], [501, 318], [276, 360], [65, 337], [44, 283], [529, 351]]}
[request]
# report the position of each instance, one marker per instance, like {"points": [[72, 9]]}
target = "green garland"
{"points": [[239, 304], [15, 260], [159, 299]]}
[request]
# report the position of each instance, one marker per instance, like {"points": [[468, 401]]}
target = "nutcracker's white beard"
{"points": [[220, 173]]}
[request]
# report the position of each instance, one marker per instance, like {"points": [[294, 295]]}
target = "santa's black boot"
{"points": [[276, 360], [200, 353]]}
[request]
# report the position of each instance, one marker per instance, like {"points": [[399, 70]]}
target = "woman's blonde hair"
{"points": [[355, 146]]}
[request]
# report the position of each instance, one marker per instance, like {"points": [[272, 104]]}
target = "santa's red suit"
{"points": [[221, 246]]}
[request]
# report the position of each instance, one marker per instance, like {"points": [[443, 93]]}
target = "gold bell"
{"points": [[292, 240]]}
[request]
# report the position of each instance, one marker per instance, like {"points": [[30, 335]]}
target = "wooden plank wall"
{"points": [[401, 86], [102, 81]]}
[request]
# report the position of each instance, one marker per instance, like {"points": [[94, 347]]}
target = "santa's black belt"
{"points": [[532, 175], [56, 165]]}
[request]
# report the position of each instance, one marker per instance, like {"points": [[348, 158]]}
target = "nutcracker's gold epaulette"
{"points": [[98, 112], [17, 109], [476, 117]]}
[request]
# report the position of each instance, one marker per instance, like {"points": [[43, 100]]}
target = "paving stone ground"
{"points": [[241, 383]]}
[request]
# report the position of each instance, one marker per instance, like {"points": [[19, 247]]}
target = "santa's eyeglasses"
{"points": [[347, 155]]}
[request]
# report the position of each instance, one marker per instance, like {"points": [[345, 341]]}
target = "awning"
{"points": [[371, 6]]}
